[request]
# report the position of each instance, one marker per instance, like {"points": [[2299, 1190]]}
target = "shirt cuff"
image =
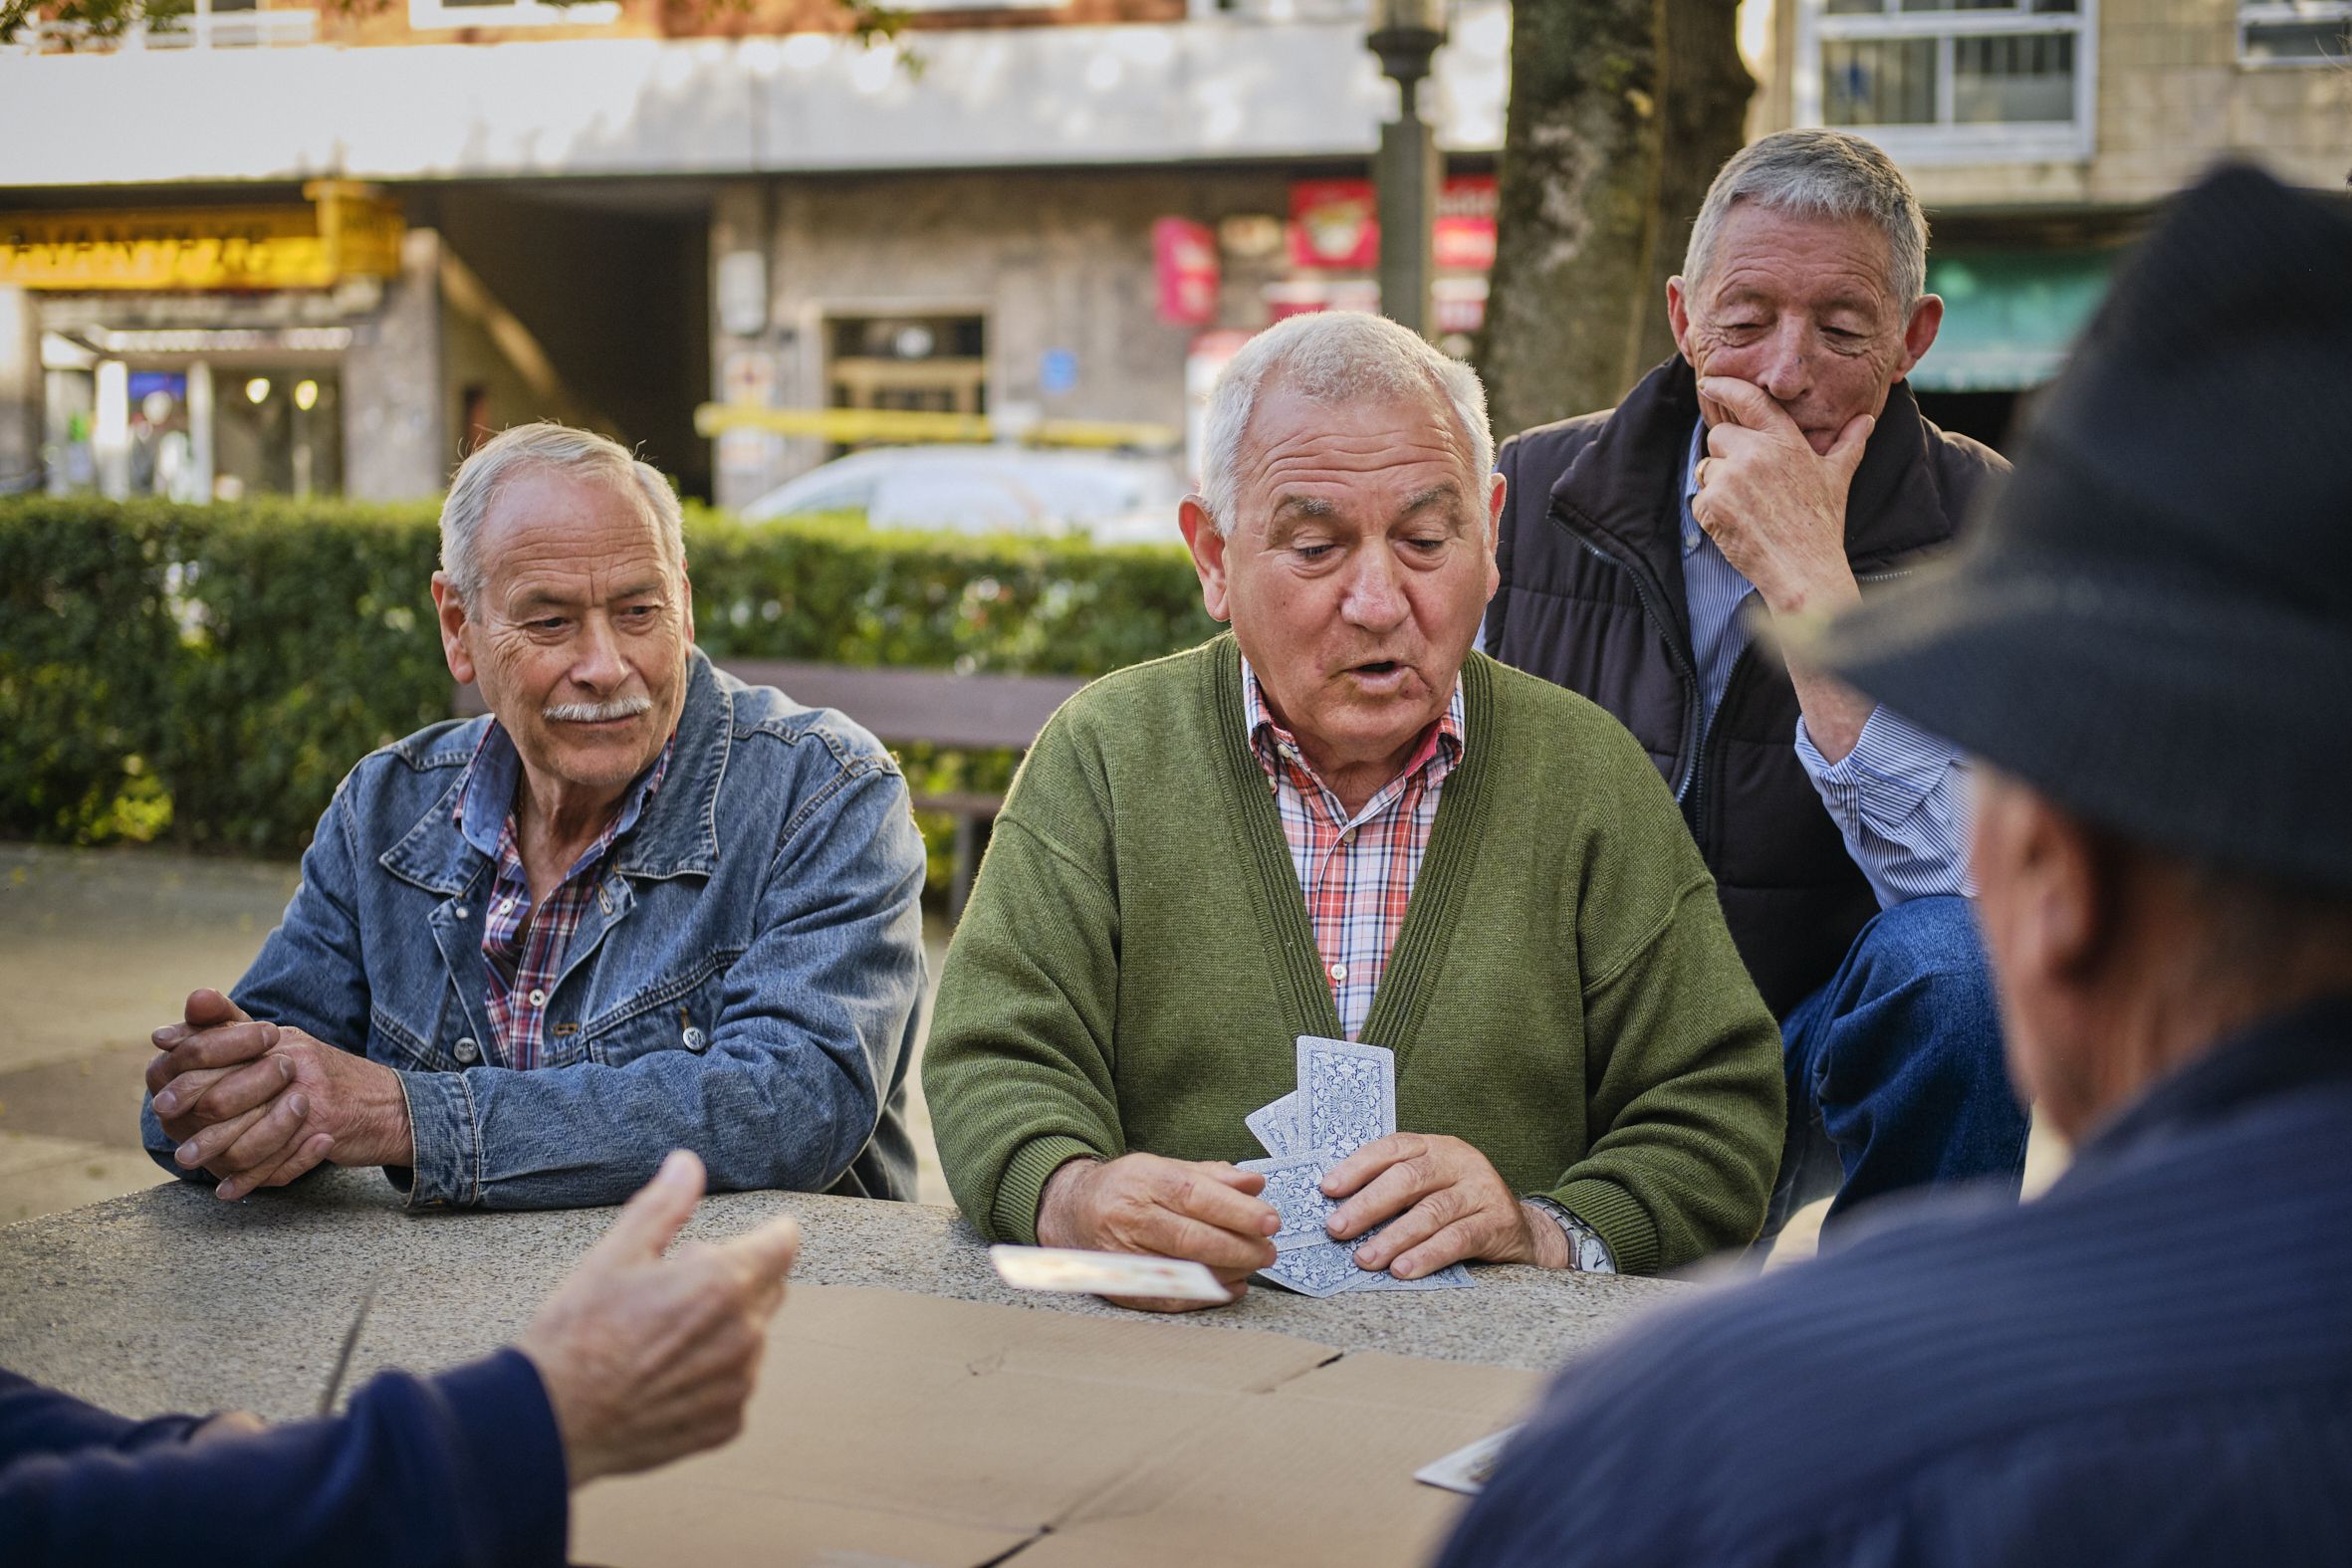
{"points": [[1588, 1252], [1893, 768], [446, 1132]]}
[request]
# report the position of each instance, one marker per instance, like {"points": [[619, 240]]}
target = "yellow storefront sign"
{"points": [[856, 427], [348, 232]]}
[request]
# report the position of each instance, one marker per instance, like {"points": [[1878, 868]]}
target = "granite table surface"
{"points": [[170, 1299]]}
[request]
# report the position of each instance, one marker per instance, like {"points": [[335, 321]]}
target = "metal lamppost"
{"points": [[1404, 34]]}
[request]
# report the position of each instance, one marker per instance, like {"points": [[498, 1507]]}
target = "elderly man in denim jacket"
{"points": [[640, 907]]}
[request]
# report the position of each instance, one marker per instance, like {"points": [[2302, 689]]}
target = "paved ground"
{"points": [[98, 948]]}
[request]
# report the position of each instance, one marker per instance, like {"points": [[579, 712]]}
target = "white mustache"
{"points": [[597, 712]]}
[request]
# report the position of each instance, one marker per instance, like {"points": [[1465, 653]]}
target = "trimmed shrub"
{"points": [[205, 675]]}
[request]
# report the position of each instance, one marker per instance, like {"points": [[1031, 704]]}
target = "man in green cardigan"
{"points": [[1339, 820]]}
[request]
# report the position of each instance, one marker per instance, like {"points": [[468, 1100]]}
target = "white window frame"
{"points": [[2054, 140], [2256, 12], [434, 15]]}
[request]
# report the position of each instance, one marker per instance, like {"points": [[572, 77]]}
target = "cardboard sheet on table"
{"points": [[990, 1417], [1320, 1472], [897, 1429]]}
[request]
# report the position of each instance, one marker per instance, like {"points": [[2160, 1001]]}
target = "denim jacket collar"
{"points": [[679, 836]]}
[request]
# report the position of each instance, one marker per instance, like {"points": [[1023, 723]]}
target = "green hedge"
{"points": [[204, 675]]}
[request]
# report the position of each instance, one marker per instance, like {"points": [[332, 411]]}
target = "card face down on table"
{"points": [[1124, 1274], [1346, 1098]]}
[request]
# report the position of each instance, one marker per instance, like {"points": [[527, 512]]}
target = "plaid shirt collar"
{"points": [[1278, 749]]}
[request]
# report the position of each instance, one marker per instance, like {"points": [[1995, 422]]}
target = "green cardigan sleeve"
{"points": [[1018, 1065], [1686, 1101]]}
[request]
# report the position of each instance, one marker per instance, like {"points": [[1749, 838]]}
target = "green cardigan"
{"points": [[1136, 963]]}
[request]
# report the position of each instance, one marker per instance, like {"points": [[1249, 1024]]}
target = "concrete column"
{"points": [[110, 429], [200, 428], [397, 414], [21, 395]]}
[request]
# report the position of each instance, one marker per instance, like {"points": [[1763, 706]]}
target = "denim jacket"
{"points": [[744, 987]]}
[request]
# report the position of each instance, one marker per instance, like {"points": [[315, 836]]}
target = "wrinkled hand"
{"points": [[259, 1104], [1205, 1210], [646, 1358], [229, 1424], [1775, 508], [1449, 1204]]}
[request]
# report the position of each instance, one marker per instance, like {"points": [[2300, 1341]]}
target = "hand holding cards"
{"points": [[1346, 1098]]}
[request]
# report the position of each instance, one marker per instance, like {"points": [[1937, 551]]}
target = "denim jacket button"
{"points": [[466, 1050], [693, 1038]]}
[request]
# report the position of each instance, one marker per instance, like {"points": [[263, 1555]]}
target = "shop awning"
{"points": [[2009, 316]]}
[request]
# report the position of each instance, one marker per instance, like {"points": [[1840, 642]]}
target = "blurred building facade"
{"points": [[323, 250], [2041, 133], [615, 212]]}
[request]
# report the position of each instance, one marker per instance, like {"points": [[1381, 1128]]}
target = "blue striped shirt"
{"points": [[1899, 797]]}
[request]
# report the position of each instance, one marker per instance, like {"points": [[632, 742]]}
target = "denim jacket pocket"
{"points": [[679, 1013], [398, 1044]]}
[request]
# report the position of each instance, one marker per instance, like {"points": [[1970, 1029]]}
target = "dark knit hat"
{"points": [[2152, 622]]}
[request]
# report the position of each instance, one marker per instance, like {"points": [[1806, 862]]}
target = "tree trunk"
{"points": [[1705, 122], [1620, 112]]}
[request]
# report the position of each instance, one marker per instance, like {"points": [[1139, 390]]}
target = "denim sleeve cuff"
{"points": [[446, 1131]]}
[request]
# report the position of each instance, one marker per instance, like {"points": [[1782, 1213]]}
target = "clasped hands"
{"points": [[1445, 1202], [259, 1104]]}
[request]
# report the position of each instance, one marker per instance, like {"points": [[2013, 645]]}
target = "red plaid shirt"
{"points": [[1356, 873], [524, 948]]}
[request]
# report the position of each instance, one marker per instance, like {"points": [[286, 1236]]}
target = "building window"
{"points": [[2294, 32], [1952, 80], [511, 13]]}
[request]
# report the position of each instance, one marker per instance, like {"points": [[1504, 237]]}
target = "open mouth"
{"points": [[1378, 672]]}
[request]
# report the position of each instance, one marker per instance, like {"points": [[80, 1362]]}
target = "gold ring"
{"points": [[1700, 474]]}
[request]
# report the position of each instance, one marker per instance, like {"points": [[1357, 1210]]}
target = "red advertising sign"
{"points": [[1464, 236], [1184, 258], [1335, 224]]}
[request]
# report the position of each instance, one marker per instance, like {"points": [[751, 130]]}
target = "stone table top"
{"points": [[170, 1299]]}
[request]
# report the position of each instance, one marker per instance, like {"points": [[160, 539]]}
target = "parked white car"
{"points": [[1113, 497]]}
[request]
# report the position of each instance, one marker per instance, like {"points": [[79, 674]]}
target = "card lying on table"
{"points": [[1467, 1469], [1105, 1273]]}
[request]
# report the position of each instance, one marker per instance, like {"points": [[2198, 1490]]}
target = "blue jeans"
{"points": [[1896, 1075]]}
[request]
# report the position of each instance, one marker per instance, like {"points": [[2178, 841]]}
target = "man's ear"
{"points": [[1496, 496], [1678, 316], [686, 585], [454, 644], [1919, 332], [1208, 555]]}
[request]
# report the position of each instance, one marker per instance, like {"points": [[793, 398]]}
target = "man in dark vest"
{"points": [[2143, 646], [1775, 468]]}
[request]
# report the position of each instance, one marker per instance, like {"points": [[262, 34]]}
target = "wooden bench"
{"points": [[966, 713]]}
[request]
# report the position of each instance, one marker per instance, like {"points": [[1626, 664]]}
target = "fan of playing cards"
{"points": [[1346, 1097]]}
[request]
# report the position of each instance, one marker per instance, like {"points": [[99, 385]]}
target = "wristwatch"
{"points": [[1588, 1252]]}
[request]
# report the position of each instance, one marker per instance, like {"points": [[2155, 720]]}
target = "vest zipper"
{"points": [[1689, 676]]}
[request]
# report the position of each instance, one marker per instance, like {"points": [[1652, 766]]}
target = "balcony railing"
{"points": [[1953, 81]]}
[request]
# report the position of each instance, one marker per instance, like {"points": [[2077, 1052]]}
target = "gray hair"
{"points": [[579, 452], [1819, 173], [1336, 357]]}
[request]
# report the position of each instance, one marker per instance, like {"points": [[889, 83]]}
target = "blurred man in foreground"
{"points": [[637, 1360], [2147, 648], [640, 906]]}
